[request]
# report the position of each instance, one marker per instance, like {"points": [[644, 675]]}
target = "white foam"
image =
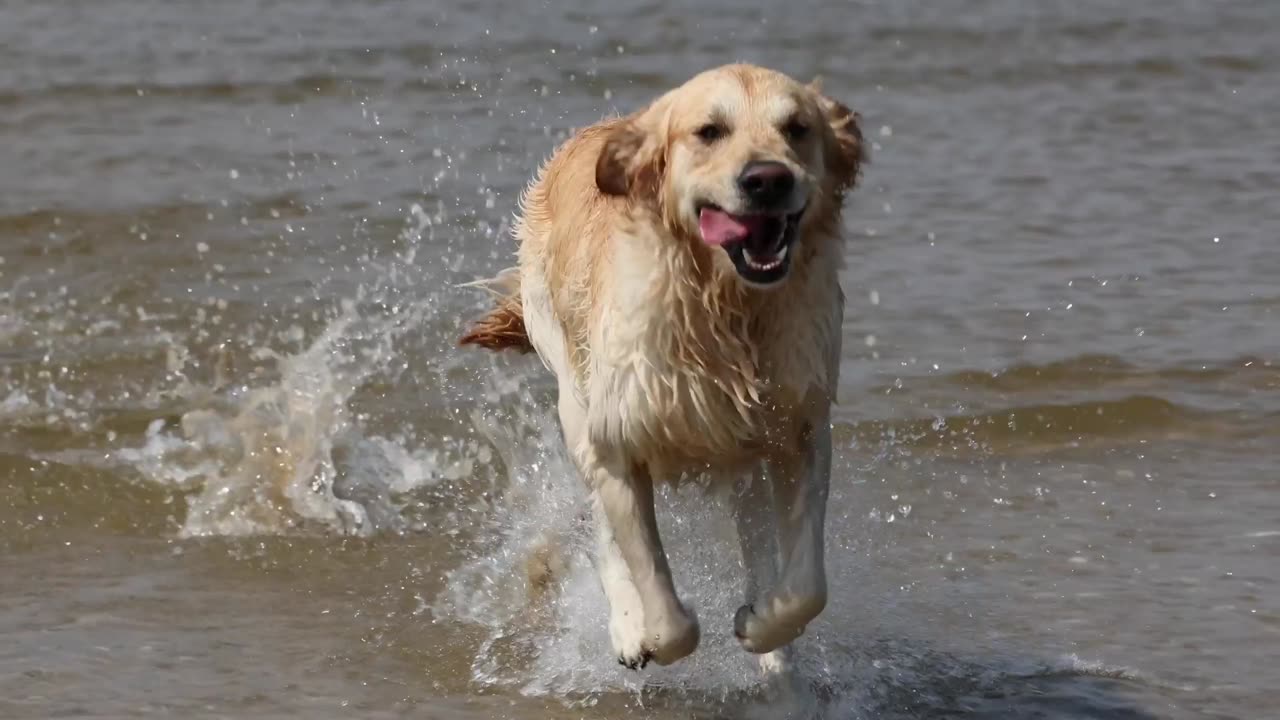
{"points": [[15, 405]]}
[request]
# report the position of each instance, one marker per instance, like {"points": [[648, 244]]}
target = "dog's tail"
{"points": [[503, 327]]}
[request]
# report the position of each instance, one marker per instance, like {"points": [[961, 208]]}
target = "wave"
{"points": [[286, 90], [1034, 428], [1088, 399], [1092, 371], [39, 224]]}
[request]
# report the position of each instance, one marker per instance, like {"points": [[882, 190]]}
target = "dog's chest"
{"points": [[717, 404], [677, 372]]}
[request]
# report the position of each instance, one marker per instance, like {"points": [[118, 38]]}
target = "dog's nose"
{"points": [[766, 183]]}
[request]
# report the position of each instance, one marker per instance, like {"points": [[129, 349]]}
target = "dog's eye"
{"points": [[712, 132], [795, 129]]}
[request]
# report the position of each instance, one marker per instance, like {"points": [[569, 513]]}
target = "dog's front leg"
{"points": [[800, 483], [757, 528], [626, 613], [624, 493]]}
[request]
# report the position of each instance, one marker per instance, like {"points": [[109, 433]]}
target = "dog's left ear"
{"points": [[630, 161], [845, 150]]}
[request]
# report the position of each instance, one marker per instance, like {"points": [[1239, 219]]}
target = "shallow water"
{"points": [[246, 473]]}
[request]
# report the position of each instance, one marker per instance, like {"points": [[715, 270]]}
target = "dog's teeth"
{"points": [[773, 262]]}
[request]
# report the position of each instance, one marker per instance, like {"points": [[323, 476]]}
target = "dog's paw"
{"points": [[671, 639], [637, 661], [781, 620], [673, 636], [757, 635], [626, 631]]}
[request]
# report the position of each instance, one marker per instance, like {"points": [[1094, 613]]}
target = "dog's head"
{"points": [[739, 158]]}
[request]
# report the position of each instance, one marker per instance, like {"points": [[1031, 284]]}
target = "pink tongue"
{"points": [[719, 227]]}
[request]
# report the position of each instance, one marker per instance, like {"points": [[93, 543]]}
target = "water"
{"points": [[246, 473]]}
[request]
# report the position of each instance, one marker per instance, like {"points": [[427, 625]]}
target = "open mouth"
{"points": [[759, 244]]}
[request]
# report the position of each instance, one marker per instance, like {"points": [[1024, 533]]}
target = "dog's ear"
{"points": [[846, 151], [629, 162]]}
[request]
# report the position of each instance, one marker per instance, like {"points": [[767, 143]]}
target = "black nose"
{"points": [[766, 183]]}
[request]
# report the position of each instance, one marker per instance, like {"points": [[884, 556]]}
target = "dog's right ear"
{"points": [[629, 162]]}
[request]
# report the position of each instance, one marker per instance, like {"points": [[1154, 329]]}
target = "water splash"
{"points": [[534, 587], [287, 455]]}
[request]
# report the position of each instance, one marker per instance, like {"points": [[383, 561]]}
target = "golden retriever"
{"points": [[678, 272]]}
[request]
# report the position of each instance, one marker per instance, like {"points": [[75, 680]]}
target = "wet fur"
{"points": [[668, 364]]}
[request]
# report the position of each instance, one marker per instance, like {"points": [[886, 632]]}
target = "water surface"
{"points": [[244, 472]]}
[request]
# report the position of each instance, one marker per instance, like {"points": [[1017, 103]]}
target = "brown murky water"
{"points": [[244, 472]]}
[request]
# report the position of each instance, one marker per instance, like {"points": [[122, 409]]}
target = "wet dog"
{"points": [[678, 273]]}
